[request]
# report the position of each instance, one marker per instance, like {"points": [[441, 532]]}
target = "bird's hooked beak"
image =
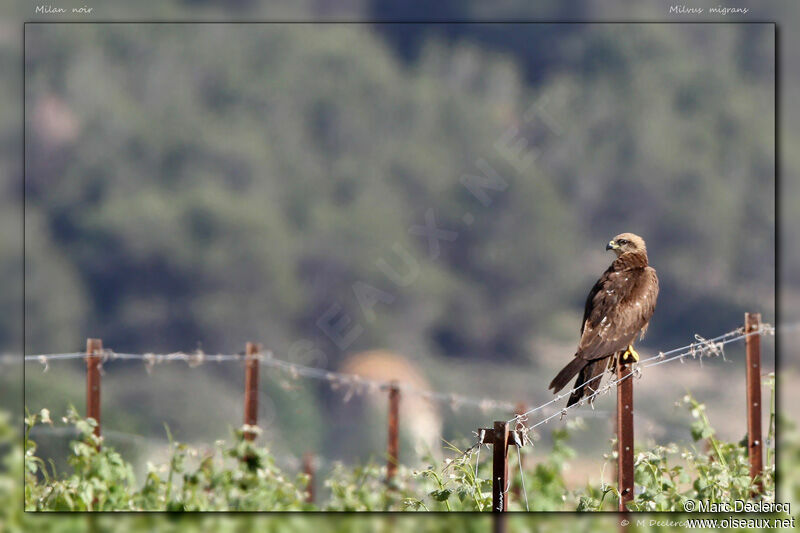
{"points": [[612, 245]]}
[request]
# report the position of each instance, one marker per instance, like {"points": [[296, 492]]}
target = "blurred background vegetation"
{"points": [[204, 185], [214, 183]]}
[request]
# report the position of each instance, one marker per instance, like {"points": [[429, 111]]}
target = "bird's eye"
{"points": [[622, 241]]}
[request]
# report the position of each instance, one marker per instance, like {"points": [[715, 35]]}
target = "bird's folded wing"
{"points": [[618, 308]]}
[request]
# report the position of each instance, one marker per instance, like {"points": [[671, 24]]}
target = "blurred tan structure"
{"points": [[419, 419]]}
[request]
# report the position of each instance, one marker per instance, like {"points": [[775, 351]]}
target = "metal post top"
{"points": [[514, 436], [752, 322], [93, 346]]}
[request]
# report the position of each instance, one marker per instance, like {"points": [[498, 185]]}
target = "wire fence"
{"points": [[501, 436], [696, 350], [357, 384], [354, 383], [702, 347], [523, 426]]}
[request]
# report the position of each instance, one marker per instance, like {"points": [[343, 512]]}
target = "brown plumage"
{"points": [[618, 308]]}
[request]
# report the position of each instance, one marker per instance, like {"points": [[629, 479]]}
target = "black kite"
{"points": [[618, 309]]}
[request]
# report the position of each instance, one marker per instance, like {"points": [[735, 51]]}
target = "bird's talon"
{"points": [[630, 355]]}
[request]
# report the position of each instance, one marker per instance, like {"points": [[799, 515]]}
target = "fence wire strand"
{"points": [[359, 384], [354, 382], [701, 348]]}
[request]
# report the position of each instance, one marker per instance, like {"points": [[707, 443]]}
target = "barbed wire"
{"points": [[700, 348], [357, 384], [354, 383], [703, 347]]}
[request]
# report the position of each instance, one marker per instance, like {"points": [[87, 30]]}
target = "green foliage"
{"points": [[101, 479], [364, 488], [666, 476], [238, 477], [243, 477], [455, 486], [719, 474], [546, 484]]}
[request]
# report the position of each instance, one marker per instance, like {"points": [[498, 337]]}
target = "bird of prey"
{"points": [[618, 308]]}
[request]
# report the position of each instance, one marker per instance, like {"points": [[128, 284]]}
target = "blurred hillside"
{"points": [[208, 184], [204, 185]]}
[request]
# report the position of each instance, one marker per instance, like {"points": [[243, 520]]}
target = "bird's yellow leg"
{"points": [[630, 355]]}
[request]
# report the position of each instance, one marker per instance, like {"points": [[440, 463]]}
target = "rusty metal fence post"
{"points": [[500, 467], [251, 388], [393, 441], [624, 434], [752, 324], [308, 469], [94, 349], [500, 437]]}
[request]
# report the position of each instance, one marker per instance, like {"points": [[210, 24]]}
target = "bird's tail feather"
{"points": [[587, 374], [567, 373]]}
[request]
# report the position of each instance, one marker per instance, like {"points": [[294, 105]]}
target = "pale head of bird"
{"points": [[626, 242]]}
